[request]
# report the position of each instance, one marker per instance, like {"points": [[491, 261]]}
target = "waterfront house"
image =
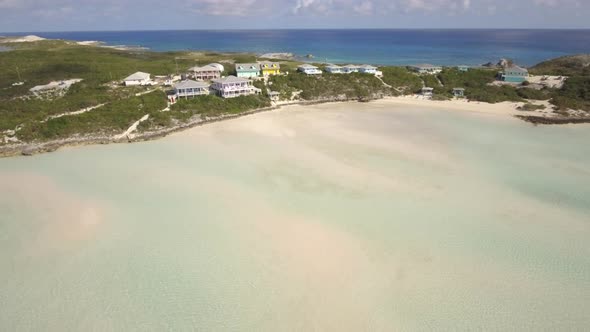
{"points": [[247, 70], [426, 69], [514, 74], [459, 92], [367, 69], [333, 69], [189, 88], [232, 86], [427, 92], [463, 68], [350, 69], [138, 78], [309, 69], [205, 73], [270, 68]]}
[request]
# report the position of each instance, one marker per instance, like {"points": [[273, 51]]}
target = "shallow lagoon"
{"points": [[333, 217]]}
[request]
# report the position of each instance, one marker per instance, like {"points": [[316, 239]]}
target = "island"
{"points": [[57, 92]]}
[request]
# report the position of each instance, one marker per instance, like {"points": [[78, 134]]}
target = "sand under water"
{"points": [[337, 217]]}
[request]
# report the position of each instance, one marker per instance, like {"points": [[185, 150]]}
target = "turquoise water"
{"points": [[374, 46], [343, 217]]}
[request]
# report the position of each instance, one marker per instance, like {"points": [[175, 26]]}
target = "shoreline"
{"points": [[507, 109]]}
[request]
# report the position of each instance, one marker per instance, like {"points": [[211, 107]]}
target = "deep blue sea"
{"points": [[382, 47]]}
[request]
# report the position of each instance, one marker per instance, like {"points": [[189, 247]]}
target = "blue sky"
{"points": [[65, 15]]}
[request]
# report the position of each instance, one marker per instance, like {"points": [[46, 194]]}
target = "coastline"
{"points": [[505, 109]]}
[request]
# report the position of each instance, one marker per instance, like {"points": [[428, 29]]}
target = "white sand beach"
{"points": [[397, 214]]}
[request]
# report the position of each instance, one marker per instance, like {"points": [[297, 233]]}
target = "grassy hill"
{"points": [[574, 65]]}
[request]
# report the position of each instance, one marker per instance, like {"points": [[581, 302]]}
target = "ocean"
{"points": [[334, 217], [380, 47]]}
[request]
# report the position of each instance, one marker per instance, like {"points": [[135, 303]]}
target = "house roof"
{"points": [[247, 66], [308, 66], [333, 66], [516, 69], [232, 79], [427, 89], [425, 66], [269, 64], [139, 76], [458, 89], [190, 84], [208, 67], [351, 66], [368, 67]]}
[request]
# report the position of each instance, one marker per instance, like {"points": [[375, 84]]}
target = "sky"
{"points": [[82, 15]]}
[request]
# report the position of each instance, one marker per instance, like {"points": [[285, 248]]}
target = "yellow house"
{"points": [[270, 68]]}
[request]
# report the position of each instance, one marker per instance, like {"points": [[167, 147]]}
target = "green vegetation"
{"points": [[574, 94], [112, 118], [326, 86], [531, 107], [575, 65], [209, 106], [403, 80]]}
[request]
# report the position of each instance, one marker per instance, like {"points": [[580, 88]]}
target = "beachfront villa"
{"points": [[514, 74], [139, 78], [309, 69], [463, 68], [459, 92], [333, 69], [232, 86], [190, 89], [367, 69], [427, 92], [350, 69], [426, 69], [270, 68], [205, 73], [247, 70]]}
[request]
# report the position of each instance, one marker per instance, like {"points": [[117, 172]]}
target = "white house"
{"points": [[427, 92], [189, 88], [426, 69], [367, 69], [208, 72], [350, 69], [138, 78], [231, 86], [309, 69], [333, 69]]}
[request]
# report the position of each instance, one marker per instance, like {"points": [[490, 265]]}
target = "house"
{"points": [[309, 69], [138, 78], [514, 74], [247, 70], [274, 95], [333, 69], [232, 86], [426, 69], [270, 68], [463, 68], [206, 73], [427, 92], [459, 92], [350, 69], [367, 69], [189, 88]]}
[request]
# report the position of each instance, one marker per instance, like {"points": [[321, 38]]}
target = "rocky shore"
{"points": [[553, 120]]}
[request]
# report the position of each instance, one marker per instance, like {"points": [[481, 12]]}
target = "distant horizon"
{"points": [[301, 29]]}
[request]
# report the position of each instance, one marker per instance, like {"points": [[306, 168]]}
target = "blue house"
{"points": [[247, 70], [514, 74]]}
